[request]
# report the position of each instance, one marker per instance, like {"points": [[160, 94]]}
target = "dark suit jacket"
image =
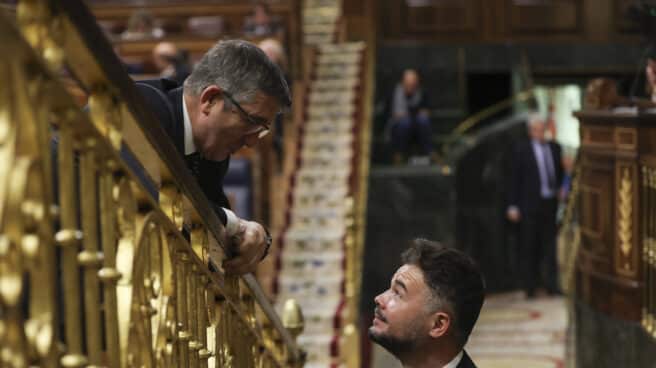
{"points": [[466, 361], [525, 181], [165, 99]]}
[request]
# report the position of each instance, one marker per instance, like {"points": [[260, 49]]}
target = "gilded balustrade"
{"points": [[94, 269], [648, 217]]}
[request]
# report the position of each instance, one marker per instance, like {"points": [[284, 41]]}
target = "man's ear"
{"points": [[209, 96], [440, 324]]}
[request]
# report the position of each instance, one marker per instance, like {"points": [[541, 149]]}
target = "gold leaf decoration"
{"points": [[625, 212]]}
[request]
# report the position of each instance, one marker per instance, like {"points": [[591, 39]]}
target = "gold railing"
{"points": [[104, 259], [648, 224], [569, 235]]}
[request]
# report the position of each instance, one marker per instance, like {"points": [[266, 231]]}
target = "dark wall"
{"points": [[461, 79], [624, 344], [403, 203]]}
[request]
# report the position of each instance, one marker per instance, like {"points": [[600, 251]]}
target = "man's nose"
{"points": [[380, 300]]}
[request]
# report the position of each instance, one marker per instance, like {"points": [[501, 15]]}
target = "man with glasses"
{"points": [[229, 101]]}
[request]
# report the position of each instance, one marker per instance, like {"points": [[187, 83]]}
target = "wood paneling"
{"points": [[441, 16], [544, 15], [506, 20], [609, 263]]}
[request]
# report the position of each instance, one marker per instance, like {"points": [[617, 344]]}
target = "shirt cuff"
{"points": [[232, 222]]}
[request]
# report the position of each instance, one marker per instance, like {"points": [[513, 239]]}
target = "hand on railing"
{"points": [[248, 247]]}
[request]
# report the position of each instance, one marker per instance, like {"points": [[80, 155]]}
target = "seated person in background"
{"points": [[170, 62], [141, 26], [410, 117], [261, 23], [424, 319]]}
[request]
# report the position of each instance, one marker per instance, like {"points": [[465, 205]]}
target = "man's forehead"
{"points": [[409, 274]]}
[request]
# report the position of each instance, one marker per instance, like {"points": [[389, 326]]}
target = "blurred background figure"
{"points": [[170, 62], [650, 73], [261, 23], [410, 122], [535, 186], [141, 25], [276, 53]]}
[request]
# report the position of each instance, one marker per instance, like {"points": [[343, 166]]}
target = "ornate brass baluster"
{"points": [[43, 30], [171, 202], [69, 238], [203, 320], [106, 115], [182, 262], [224, 351], [90, 258], [119, 293], [192, 291]]}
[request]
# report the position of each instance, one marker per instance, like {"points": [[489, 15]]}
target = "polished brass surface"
{"points": [[94, 270], [292, 317]]}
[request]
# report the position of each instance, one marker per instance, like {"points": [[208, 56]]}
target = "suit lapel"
{"points": [[466, 361]]}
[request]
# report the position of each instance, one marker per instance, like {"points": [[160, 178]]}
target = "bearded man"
{"points": [[424, 319]]}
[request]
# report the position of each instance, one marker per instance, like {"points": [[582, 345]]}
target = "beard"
{"points": [[397, 346], [406, 341]]}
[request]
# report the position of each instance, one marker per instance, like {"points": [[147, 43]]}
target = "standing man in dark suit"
{"points": [[535, 187], [229, 101], [424, 319]]}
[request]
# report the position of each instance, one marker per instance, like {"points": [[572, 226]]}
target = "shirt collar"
{"points": [[189, 146], [455, 361]]}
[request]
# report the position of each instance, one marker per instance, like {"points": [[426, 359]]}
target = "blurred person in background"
{"points": [[276, 53], [535, 186], [410, 121], [141, 25], [170, 62], [261, 23]]}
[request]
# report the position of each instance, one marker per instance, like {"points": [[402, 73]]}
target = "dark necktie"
{"points": [[549, 166], [193, 163]]}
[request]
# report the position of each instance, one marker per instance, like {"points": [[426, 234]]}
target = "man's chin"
{"points": [[392, 344], [216, 156]]}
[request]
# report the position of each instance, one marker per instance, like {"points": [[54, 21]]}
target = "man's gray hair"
{"points": [[241, 69], [535, 118]]}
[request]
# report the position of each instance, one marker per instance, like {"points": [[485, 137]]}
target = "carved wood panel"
{"points": [[563, 16], [626, 247], [596, 212], [609, 265], [440, 15]]}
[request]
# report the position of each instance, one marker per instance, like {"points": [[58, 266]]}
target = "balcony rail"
{"points": [[108, 252]]}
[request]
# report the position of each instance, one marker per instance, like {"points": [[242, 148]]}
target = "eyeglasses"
{"points": [[262, 123]]}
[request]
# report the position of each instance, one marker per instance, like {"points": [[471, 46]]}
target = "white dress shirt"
{"points": [[455, 361], [232, 223]]}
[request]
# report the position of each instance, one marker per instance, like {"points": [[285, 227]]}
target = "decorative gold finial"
{"points": [[292, 318]]}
